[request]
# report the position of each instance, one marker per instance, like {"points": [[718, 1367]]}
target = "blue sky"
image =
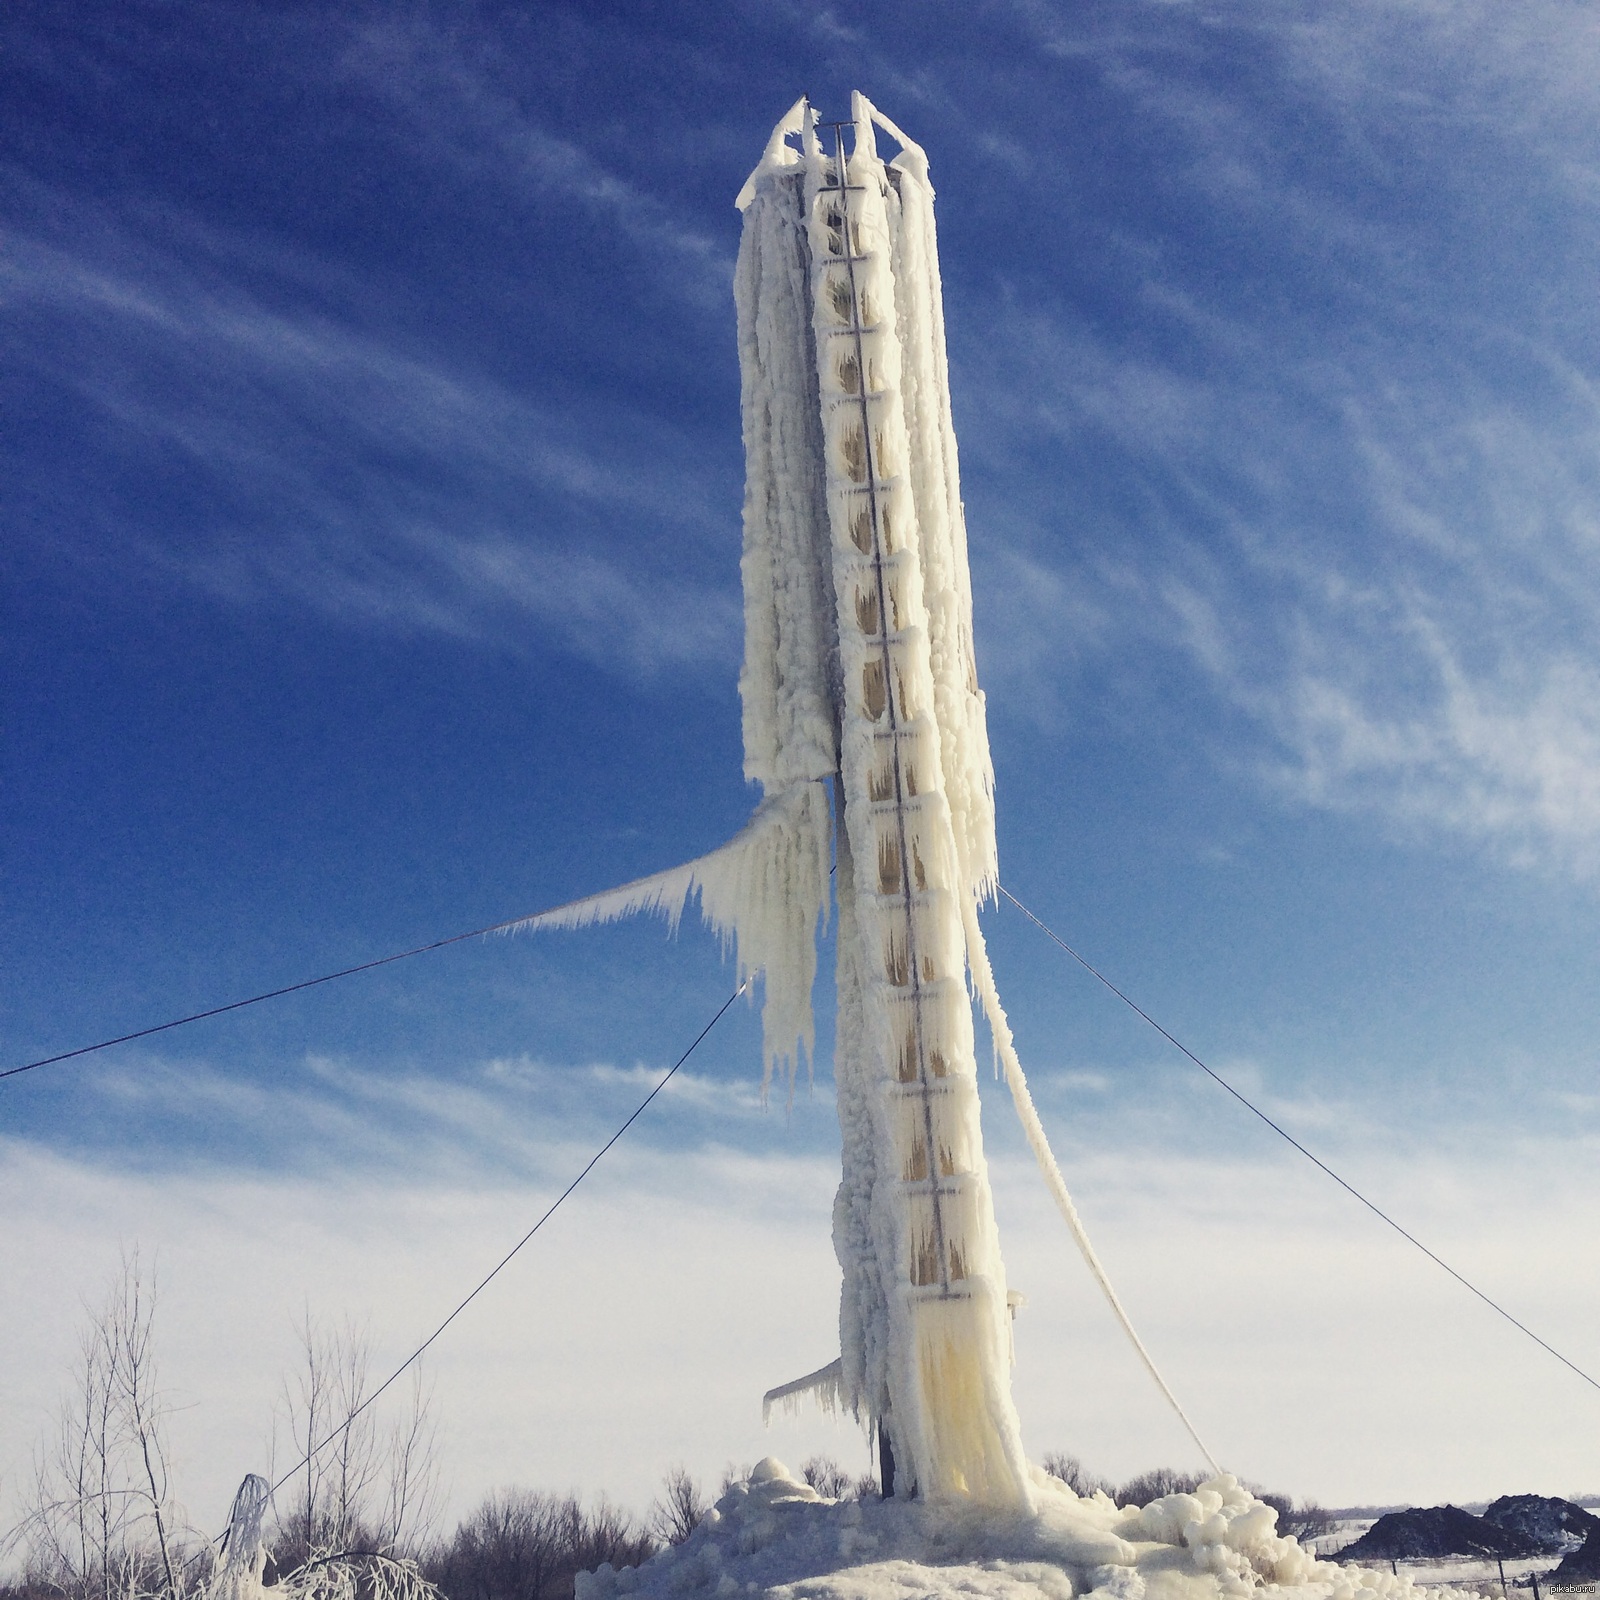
{"points": [[371, 489]]}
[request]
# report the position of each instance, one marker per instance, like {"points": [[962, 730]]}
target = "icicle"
{"points": [[766, 890], [785, 687], [823, 1386], [964, 1359]]}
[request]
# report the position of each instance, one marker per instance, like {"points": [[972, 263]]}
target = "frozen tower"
{"points": [[859, 674], [859, 665]]}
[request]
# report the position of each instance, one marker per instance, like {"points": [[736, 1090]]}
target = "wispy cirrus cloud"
{"points": [[325, 464], [448, 91], [1353, 492], [521, 1117], [1407, 637]]}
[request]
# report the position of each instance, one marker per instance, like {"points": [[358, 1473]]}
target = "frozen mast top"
{"points": [[802, 364]]}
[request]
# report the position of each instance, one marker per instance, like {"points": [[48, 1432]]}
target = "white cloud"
{"points": [[519, 1117], [1316, 1351], [638, 1329], [1529, 73]]}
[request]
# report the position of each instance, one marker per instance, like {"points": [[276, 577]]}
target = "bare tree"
{"points": [[334, 1442], [143, 1410], [412, 1494], [1303, 1519], [355, 1485], [523, 1546], [102, 1524], [677, 1511], [828, 1478], [1156, 1483]]}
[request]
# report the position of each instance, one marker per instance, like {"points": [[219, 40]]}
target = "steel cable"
{"points": [[505, 1260], [1282, 1133]]}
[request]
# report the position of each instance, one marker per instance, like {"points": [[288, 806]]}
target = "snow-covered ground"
{"points": [[1458, 1571], [775, 1536]]}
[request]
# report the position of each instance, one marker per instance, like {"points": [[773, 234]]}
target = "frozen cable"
{"points": [[1028, 1115], [507, 926], [1348, 1187], [594, 1161]]}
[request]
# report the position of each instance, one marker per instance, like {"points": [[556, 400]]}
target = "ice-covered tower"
{"points": [[858, 673], [859, 664]]}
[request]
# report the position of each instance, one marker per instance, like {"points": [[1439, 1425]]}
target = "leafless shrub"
{"points": [[357, 1575], [519, 1545], [828, 1478], [677, 1511], [1152, 1485]]}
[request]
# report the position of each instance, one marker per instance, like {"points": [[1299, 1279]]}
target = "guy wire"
{"points": [[593, 1162], [1282, 1133]]}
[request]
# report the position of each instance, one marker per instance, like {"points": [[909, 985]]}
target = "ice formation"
{"points": [[242, 1556], [766, 890], [776, 1537], [859, 672]]}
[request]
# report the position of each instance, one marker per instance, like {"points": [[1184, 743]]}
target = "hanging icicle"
{"points": [[765, 891]]}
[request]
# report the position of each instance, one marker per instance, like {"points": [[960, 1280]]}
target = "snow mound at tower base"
{"points": [[776, 1537]]}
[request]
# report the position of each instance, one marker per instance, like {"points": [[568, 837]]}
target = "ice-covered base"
{"points": [[775, 1536]]}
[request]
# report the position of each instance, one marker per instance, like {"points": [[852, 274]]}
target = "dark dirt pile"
{"points": [[1555, 1527], [1436, 1531]]}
